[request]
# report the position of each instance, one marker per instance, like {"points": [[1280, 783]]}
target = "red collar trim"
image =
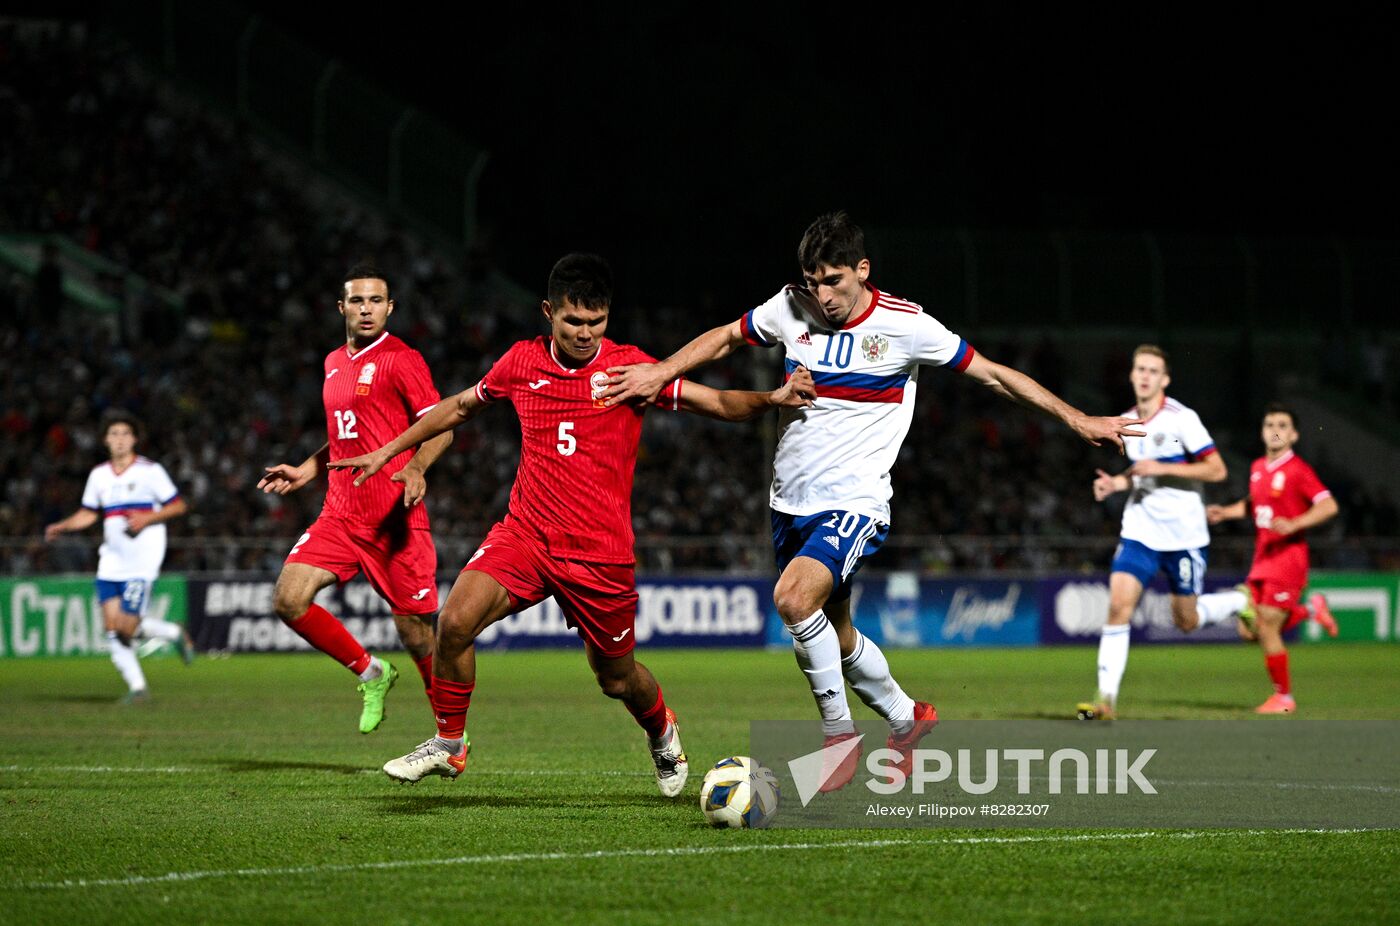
{"points": [[1156, 413]]}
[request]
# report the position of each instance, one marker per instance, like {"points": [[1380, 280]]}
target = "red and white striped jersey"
{"points": [[573, 489], [372, 397]]}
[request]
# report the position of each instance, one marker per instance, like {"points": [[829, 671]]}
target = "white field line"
{"points": [[176, 877]]}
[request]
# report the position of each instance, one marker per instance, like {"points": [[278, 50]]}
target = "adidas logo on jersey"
{"points": [[804, 338], [835, 544]]}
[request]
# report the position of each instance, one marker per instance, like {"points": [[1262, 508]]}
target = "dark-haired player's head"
{"points": [[834, 267], [121, 430], [365, 304], [579, 299], [1151, 374], [1280, 428]]}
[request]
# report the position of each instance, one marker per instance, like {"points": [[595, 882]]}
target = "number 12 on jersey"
{"points": [[345, 425]]}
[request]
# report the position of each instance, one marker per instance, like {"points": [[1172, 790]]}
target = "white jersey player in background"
{"points": [[1164, 522], [134, 497], [831, 474]]}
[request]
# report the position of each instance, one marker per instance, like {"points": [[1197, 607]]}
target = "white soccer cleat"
{"points": [[672, 767], [428, 759]]}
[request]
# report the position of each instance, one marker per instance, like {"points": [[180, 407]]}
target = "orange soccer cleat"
{"points": [[1317, 604], [1277, 704], [925, 719], [839, 764]]}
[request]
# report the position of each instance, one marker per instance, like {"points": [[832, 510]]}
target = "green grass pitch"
{"points": [[242, 793]]}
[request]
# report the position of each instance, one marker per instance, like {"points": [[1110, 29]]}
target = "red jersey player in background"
{"points": [[1287, 499], [568, 529], [375, 387]]}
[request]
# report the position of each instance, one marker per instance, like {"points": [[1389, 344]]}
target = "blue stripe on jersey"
{"points": [[1174, 458], [752, 331], [962, 352], [129, 506], [851, 380], [1203, 451]]}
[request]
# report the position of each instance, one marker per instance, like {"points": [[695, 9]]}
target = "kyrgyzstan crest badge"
{"points": [[874, 346], [366, 379]]}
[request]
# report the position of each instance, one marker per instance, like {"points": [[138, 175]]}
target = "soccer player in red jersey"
{"points": [[568, 528], [375, 387], [1287, 499]]}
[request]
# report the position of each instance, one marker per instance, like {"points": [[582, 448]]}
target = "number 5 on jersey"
{"points": [[567, 442]]}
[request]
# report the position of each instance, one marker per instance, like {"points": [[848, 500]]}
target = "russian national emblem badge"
{"points": [[874, 346]]}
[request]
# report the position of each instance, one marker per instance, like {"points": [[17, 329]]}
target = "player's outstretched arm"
{"points": [[1322, 511], [645, 381], [285, 478], [413, 475], [443, 418], [1231, 512], [1018, 387], [137, 521], [79, 520], [738, 405], [1210, 469]]}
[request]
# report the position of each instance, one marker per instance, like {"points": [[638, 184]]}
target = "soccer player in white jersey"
{"points": [[1164, 522], [134, 497], [831, 474]]}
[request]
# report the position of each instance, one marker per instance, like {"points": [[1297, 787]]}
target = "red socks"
{"points": [[320, 628], [425, 669], [1296, 615], [1277, 664], [652, 720], [450, 703]]}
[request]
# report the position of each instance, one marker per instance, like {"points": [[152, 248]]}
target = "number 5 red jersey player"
{"points": [[1287, 499], [568, 530], [375, 386]]}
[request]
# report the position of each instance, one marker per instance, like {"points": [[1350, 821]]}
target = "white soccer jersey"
{"points": [[142, 486], [1166, 513], [839, 454]]}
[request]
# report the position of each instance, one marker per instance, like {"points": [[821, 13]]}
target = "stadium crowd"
{"points": [[229, 380]]}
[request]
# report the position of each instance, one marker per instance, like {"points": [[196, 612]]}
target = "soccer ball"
{"points": [[739, 793]]}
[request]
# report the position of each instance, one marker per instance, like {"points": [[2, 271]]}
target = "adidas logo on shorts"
{"points": [[835, 544]]}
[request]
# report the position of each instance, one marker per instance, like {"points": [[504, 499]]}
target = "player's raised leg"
{"points": [[477, 600], [121, 627], [294, 601], [867, 671]]}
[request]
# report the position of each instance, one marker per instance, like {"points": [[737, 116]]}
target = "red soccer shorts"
{"points": [[599, 600], [400, 563], [1272, 594]]}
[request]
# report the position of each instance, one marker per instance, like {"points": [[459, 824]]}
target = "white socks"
{"points": [[124, 658], [373, 670], [1219, 606], [1113, 659], [819, 657], [160, 630], [868, 672]]}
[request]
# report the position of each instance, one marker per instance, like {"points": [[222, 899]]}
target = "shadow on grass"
{"points": [[426, 802], [268, 765], [77, 698]]}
